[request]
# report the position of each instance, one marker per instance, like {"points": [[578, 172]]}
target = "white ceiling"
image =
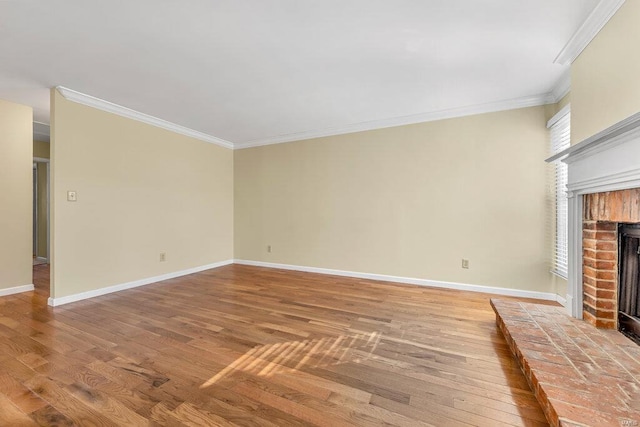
{"points": [[269, 70]]}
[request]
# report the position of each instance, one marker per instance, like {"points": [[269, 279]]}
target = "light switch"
{"points": [[72, 196]]}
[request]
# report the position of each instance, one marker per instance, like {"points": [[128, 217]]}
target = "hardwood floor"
{"points": [[245, 345]]}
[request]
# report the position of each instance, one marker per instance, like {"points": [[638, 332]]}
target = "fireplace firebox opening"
{"points": [[629, 281]]}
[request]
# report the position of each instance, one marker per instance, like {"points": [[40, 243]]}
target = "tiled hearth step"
{"points": [[581, 375]]}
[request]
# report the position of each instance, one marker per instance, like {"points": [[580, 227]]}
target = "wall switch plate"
{"points": [[72, 196], [465, 263]]}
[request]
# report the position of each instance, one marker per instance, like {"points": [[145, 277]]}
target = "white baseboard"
{"points": [[548, 296], [561, 301], [54, 302], [16, 290], [40, 258]]}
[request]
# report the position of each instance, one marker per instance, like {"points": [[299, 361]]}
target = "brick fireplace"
{"points": [[602, 214], [603, 191]]}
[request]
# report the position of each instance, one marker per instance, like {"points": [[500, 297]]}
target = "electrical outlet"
{"points": [[269, 248], [163, 256], [72, 196], [465, 263]]}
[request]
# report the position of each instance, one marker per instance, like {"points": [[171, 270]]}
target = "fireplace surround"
{"points": [[608, 223], [603, 190]]}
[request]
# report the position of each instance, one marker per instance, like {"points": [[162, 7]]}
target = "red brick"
{"points": [[589, 271], [605, 324], [607, 285], [606, 235], [589, 290], [605, 314], [607, 226], [606, 245], [605, 255], [590, 300], [588, 280], [588, 214], [606, 294], [588, 317], [589, 309], [605, 275], [603, 304], [613, 202], [589, 253], [603, 208], [602, 213], [606, 265]]}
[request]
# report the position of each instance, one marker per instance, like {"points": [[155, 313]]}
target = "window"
{"points": [[560, 130]]}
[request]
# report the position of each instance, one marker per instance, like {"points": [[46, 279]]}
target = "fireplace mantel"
{"points": [[607, 161]]}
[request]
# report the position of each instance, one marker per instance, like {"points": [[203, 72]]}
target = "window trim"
{"points": [[559, 265]]}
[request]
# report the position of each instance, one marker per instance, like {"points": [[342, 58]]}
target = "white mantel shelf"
{"points": [[607, 161], [599, 141]]}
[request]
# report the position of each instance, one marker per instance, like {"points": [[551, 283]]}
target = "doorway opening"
{"points": [[41, 224]]}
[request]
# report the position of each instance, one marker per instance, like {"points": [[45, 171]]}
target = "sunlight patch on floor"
{"points": [[267, 360]]}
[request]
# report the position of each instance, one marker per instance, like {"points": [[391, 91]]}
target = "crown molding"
{"points": [[110, 107], [596, 20], [41, 131], [528, 101], [562, 87]]}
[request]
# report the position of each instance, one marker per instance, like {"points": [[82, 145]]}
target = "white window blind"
{"points": [[560, 130]]}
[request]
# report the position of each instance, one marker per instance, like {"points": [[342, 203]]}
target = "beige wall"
{"points": [[16, 161], [552, 109], [141, 190], [408, 201], [41, 149], [605, 82]]}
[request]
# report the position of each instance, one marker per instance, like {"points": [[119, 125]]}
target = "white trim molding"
{"points": [[55, 302], [16, 290], [596, 20], [41, 132], [618, 133], [110, 107], [559, 91], [492, 107], [559, 115], [561, 88], [574, 256], [548, 296], [607, 161]]}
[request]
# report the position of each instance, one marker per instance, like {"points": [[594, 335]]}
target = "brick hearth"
{"points": [[582, 376]]}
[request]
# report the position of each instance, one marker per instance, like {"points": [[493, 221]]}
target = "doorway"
{"points": [[35, 212], [40, 211]]}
